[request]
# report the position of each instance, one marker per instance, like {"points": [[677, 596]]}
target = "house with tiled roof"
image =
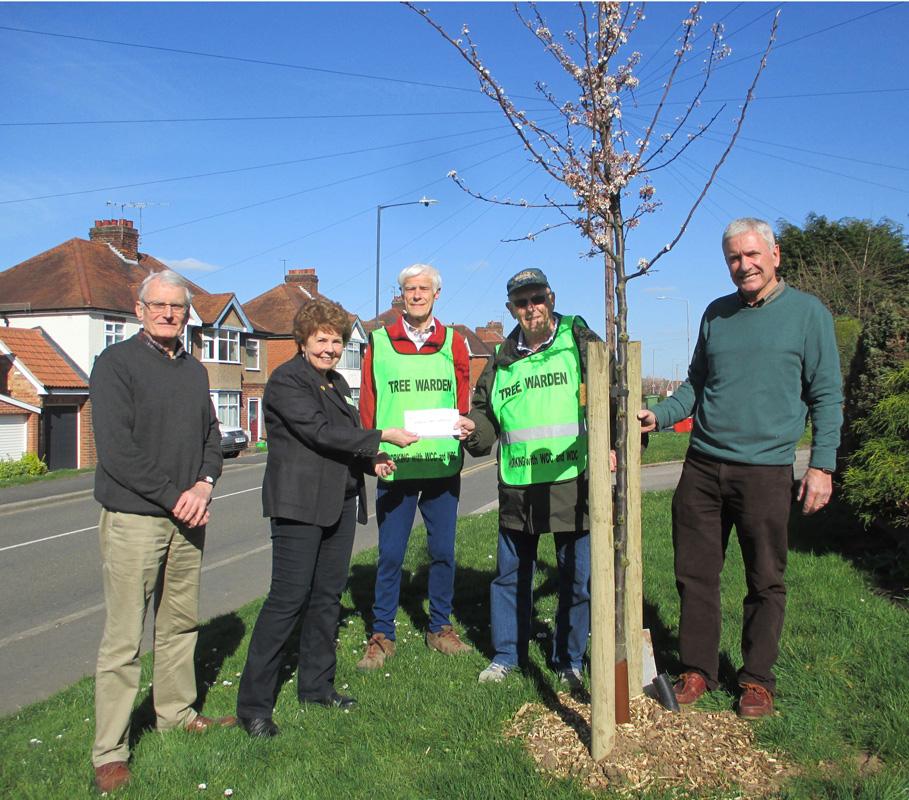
{"points": [[83, 294], [478, 350], [491, 334], [229, 345], [274, 311], [44, 406]]}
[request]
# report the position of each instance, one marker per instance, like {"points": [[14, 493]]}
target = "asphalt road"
{"points": [[50, 574]]}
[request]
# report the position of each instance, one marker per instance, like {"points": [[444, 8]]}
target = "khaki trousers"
{"points": [[144, 557]]}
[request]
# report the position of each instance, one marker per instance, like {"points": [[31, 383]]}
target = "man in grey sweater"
{"points": [[765, 359], [158, 446]]}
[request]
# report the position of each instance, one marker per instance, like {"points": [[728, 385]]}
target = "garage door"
{"points": [[12, 436]]}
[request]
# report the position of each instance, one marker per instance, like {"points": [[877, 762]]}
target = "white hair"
{"points": [[169, 278], [420, 269], [750, 225]]}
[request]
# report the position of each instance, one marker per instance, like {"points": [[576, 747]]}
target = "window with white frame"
{"points": [[114, 330], [221, 345], [227, 404], [350, 358], [252, 354], [355, 395]]}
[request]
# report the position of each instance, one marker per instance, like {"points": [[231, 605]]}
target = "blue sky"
{"points": [[383, 108]]}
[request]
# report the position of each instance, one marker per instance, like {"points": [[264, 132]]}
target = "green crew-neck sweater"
{"points": [[755, 375]]}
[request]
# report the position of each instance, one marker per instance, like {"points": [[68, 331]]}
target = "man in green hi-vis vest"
{"points": [[416, 365], [531, 399]]}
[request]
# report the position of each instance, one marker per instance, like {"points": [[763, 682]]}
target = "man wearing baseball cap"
{"points": [[531, 400]]}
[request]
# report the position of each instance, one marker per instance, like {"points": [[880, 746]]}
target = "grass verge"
{"points": [[425, 729], [47, 476], [665, 446]]}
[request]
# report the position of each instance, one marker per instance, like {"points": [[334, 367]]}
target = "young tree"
{"points": [[606, 166]]}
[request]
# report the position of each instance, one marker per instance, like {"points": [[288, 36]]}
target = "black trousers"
{"points": [[308, 574], [711, 498]]}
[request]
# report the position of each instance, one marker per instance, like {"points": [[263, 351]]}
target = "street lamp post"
{"points": [[687, 322], [423, 201]]}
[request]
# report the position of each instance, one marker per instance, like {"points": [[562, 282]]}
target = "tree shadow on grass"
{"points": [[219, 638], [836, 529]]}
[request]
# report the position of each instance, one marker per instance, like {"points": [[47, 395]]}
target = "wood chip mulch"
{"points": [[688, 753]]}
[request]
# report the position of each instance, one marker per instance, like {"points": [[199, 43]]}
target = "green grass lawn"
{"points": [[665, 446], [426, 729], [47, 476]]}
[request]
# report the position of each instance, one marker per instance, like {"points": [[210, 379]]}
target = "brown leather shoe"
{"points": [[200, 724], [689, 687], [447, 641], [755, 701], [378, 650], [110, 777]]}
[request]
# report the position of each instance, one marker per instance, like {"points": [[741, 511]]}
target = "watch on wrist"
{"points": [[207, 479]]}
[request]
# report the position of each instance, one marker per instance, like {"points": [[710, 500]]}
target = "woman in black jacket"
{"points": [[314, 493]]}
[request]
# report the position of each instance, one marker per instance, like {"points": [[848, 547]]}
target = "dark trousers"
{"points": [[711, 498], [308, 574]]}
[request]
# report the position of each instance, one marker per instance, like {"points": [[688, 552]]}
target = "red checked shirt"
{"points": [[403, 344]]}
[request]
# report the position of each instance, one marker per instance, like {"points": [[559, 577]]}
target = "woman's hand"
{"points": [[466, 426], [383, 466], [398, 436]]}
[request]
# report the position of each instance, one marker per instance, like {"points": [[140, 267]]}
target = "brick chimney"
{"points": [[491, 333], [119, 234], [305, 279], [397, 302]]}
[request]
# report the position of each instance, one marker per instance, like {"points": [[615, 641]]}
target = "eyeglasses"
{"points": [[536, 299], [157, 308]]}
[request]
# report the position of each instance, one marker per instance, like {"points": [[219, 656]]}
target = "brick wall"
{"points": [[88, 456]]}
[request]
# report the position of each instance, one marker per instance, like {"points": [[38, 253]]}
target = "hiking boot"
{"points": [[571, 677], [378, 650], [755, 701], [495, 673], [689, 687], [447, 641], [111, 776]]}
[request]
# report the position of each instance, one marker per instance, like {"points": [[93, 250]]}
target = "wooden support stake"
{"points": [[602, 556], [634, 589]]}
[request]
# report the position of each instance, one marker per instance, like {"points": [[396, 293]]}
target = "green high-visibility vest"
{"points": [[407, 382], [537, 401]]}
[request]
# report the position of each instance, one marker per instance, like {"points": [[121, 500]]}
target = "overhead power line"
{"points": [[222, 57], [251, 168], [264, 118]]}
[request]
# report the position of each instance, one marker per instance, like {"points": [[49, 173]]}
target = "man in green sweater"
{"points": [[765, 358], [159, 455]]}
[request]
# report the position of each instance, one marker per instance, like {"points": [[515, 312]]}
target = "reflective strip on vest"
{"points": [[542, 432], [537, 402], [410, 382]]}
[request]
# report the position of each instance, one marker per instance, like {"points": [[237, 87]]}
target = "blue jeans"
{"points": [[396, 507], [511, 598]]}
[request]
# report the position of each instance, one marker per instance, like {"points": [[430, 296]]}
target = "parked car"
{"points": [[233, 441]]}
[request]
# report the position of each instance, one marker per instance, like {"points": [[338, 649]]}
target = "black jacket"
{"points": [[314, 442]]}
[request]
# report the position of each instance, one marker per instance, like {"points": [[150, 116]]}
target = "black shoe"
{"points": [[333, 700], [259, 726]]}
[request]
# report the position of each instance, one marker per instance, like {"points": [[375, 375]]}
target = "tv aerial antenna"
{"points": [[140, 204]]}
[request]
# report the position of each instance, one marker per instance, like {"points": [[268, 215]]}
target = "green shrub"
{"points": [[882, 347], [876, 483], [847, 330], [29, 464]]}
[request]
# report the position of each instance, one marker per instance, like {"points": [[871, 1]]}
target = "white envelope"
{"points": [[432, 423]]}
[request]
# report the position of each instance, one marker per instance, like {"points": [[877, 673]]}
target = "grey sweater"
{"points": [[156, 432]]}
